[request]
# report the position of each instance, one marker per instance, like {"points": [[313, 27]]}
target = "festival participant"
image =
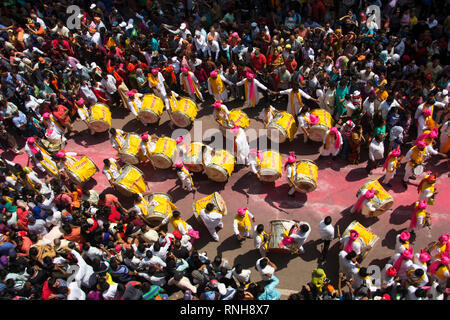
{"points": [[148, 144], [190, 84], [242, 224], [179, 224], [444, 137], [184, 175], [111, 169], [402, 262], [251, 86], [66, 159], [212, 220], [364, 203], [83, 113], [332, 143], [222, 114], [440, 246], [241, 147], [254, 159], [157, 82], [267, 114], [390, 165], [348, 264], [421, 260], [305, 121], [52, 123], [289, 167], [300, 235], [118, 138], [261, 239], [295, 103], [216, 86], [426, 188], [439, 270], [420, 218], [402, 241], [134, 102]]}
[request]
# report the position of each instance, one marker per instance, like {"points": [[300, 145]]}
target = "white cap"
{"points": [[445, 92], [197, 33], [356, 93], [222, 289], [93, 6], [183, 26]]}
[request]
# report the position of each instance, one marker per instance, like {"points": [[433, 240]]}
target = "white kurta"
{"points": [[256, 84], [120, 139], [134, 103], [159, 89], [296, 102], [223, 96], [212, 220], [242, 147], [113, 172], [185, 179], [332, 149], [367, 207], [184, 82]]}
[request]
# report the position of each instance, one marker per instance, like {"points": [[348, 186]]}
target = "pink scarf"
{"points": [[421, 205], [406, 254], [191, 83], [33, 148], [337, 141], [250, 78], [353, 236], [368, 195], [394, 153], [445, 260]]}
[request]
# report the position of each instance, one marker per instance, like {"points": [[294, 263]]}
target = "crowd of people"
{"points": [[379, 68]]}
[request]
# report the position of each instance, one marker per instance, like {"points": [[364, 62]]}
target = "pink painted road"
{"points": [[335, 194]]}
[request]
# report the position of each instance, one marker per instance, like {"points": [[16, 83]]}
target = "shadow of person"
{"points": [[356, 174], [204, 235], [229, 244], [90, 184], [136, 126], [282, 259], [311, 252], [120, 113], [85, 139], [390, 238], [401, 214]]}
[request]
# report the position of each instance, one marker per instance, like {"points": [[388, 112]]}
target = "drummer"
{"points": [[170, 103], [332, 143], [212, 220], [420, 218], [295, 103], [181, 147], [390, 165], [222, 114], [305, 121], [148, 145], [118, 138], [364, 203], [267, 114], [300, 235], [241, 147], [402, 241], [261, 239], [157, 82], [141, 206], [289, 167], [83, 113], [179, 224], [185, 176], [216, 86], [353, 242], [134, 102], [426, 188], [440, 246], [66, 159], [111, 169], [190, 84], [207, 155], [46, 164], [242, 224], [251, 86], [254, 159]]}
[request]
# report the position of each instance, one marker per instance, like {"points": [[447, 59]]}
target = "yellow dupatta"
{"points": [[246, 92], [217, 85], [300, 102], [153, 80]]}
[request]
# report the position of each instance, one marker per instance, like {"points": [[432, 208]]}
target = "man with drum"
{"points": [[66, 159], [332, 143], [241, 147], [190, 84], [295, 103], [222, 114], [390, 165], [364, 203], [118, 138], [134, 102], [426, 188], [157, 82], [420, 218], [289, 167], [216, 86], [242, 224], [300, 235], [212, 220], [111, 169], [261, 239], [184, 175], [148, 145]]}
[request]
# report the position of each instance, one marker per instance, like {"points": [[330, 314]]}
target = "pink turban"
{"points": [[80, 101], [184, 69], [118, 248], [352, 237], [421, 205], [391, 272], [31, 140], [241, 211], [235, 35], [179, 139], [394, 153], [178, 164], [404, 236], [234, 129], [144, 136], [424, 256], [369, 194], [444, 238], [214, 73], [131, 93], [313, 119], [61, 154], [155, 71], [46, 115], [427, 112], [406, 255], [49, 132], [217, 104], [421, 144], [291, 158], [445, 260], [250, 75]]}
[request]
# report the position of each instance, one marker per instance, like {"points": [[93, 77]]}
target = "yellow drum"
{"points": [[131, 180], [131, 150], [317, 132], [193, 158], [100, 118], [82, 170], [366, 236], [270, 166], [164, 207], [151, 109], [279, 228], [305, 179], [282, 127], [237, 117], [214, 198], [221, 166], [164, 154], [184, 113], [382, 200]]}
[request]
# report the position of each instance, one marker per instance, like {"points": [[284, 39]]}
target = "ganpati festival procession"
{"points": [[224, 150]]}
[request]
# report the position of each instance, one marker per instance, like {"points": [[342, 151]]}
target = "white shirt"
{"points": [[212, 218], [110, 84], [346, 266], [267, 272], [75, 292], [326, 231], [385, 107], [376, 150], [243, 277]]}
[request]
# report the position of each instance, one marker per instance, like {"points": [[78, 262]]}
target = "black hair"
{"points": [[209, 207], [260, 228], [327, 220]]}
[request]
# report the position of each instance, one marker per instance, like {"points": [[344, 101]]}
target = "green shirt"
{"points": [[340, 94]]}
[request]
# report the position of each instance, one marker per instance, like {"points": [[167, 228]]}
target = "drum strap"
{"points": [[117, 139], [172, 102], [299, 99], [264, 243], [133, 102], [69, 161], [109, 169], [143, 205], [183, 169], [50, 166], [83, 110], [31, 183]]}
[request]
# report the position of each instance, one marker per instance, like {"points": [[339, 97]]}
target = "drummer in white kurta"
{"points": [[118, 138], [83, 113], [290, 173], [134, 102], [111, 169], [390, 165], [148, 144], [212, 220], [305, 121], [251, 89], [156, 81], [190, 84], [443, 138], [254, 157], [66, 159], [170, 103], [295, 103], [351, 242], [267, 114], [185, 176], [52, 124], [241, 146], [332, 143], [301, 235], [364, 203], [216, 86], [222, 114]]}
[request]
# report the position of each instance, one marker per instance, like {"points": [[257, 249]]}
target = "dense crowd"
{"points": [[383, 77]]}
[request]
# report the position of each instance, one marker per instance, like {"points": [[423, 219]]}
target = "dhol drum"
{"points": [[280, 229], [317, 131], [305, 179], [221, 166], [130, 152], [99, 118], [282, 127], [238, 117], [151, 109], [215, 198], [382, 200], [193, 157], [165, 152], [270, 166], [185, 112], [130, 181], [82, 170], [366, 236], [52, 147], [164, 208]]}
